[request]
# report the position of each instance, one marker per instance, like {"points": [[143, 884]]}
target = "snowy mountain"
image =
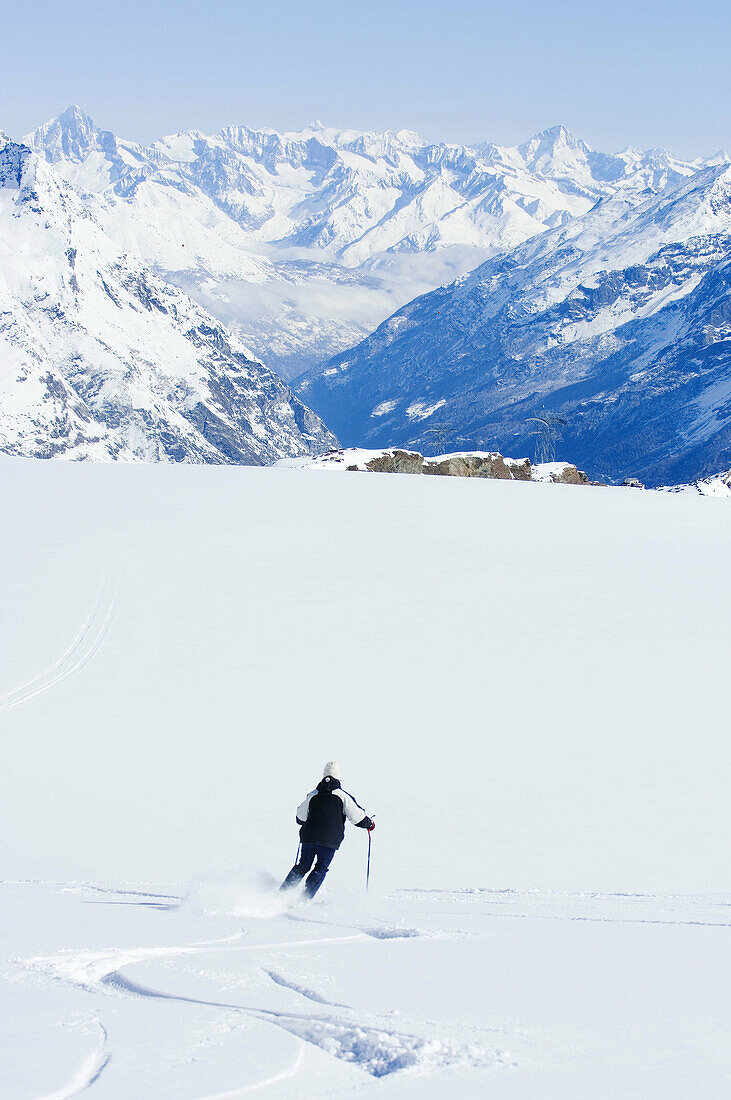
{"points": [[101, 359], [591, 298], [304, 242], [618, 323]]}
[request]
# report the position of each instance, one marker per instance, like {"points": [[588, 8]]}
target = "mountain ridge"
{"points": [[302, 242]]}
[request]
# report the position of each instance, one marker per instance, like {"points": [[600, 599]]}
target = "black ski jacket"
{"points": [[322, 814]]}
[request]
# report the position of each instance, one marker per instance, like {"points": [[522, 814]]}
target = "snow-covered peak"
{"points": [[559, 155], [87, 157], [70, 136], [548, 145]]}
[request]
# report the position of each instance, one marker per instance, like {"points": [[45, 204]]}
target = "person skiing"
{"points": [[321, 818]]}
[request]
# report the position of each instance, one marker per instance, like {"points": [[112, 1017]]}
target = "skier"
{"points": [[321, 818]]}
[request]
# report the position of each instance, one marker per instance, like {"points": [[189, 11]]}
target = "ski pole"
{"points": [[368, 865]]}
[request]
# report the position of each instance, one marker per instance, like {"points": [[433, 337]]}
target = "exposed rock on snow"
{"points": [[100, 359], [395, 461], [561, 473], [488, 464], [479, 465]]}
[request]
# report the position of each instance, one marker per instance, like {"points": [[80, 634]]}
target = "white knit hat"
{"points": [[332, 768]]}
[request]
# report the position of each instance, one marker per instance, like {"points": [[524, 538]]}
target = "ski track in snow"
{"points": [[119, 896], [19, 692], [309, 994], [86, 886], [498, 898], [388, 932], [89, 1071], [368, 1043], [82, 649], [283, 1075], [376, 1048]]}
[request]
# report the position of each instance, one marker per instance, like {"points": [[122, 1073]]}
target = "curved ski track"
{"points": [[80, 652], [90, 1069], [246, 1090], [370, 1045]]}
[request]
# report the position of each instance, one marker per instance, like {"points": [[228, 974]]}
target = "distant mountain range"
{"points": [[302, 243], [590, 288], [100, 359]]}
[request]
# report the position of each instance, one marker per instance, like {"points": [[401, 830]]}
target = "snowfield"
{"points": [[526, 683]]}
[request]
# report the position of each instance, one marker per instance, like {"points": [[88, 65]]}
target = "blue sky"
{"points": [[616, 73]]}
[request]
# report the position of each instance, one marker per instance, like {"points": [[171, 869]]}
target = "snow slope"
{"points": [[524, 682], [304, 242], [100, 359], [618, 323], [718, 486]]}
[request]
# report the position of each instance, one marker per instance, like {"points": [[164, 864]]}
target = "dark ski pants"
{"points": [[309, 854]]}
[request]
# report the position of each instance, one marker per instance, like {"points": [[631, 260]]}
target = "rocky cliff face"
{"points": [[100, 359]]}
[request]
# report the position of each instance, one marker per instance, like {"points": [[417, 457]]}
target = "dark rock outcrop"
{"points": [[466, 465], [520, 468], [396, 462]]}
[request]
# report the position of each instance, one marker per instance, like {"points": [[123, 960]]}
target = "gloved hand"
{"points": [[367, 823]]}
